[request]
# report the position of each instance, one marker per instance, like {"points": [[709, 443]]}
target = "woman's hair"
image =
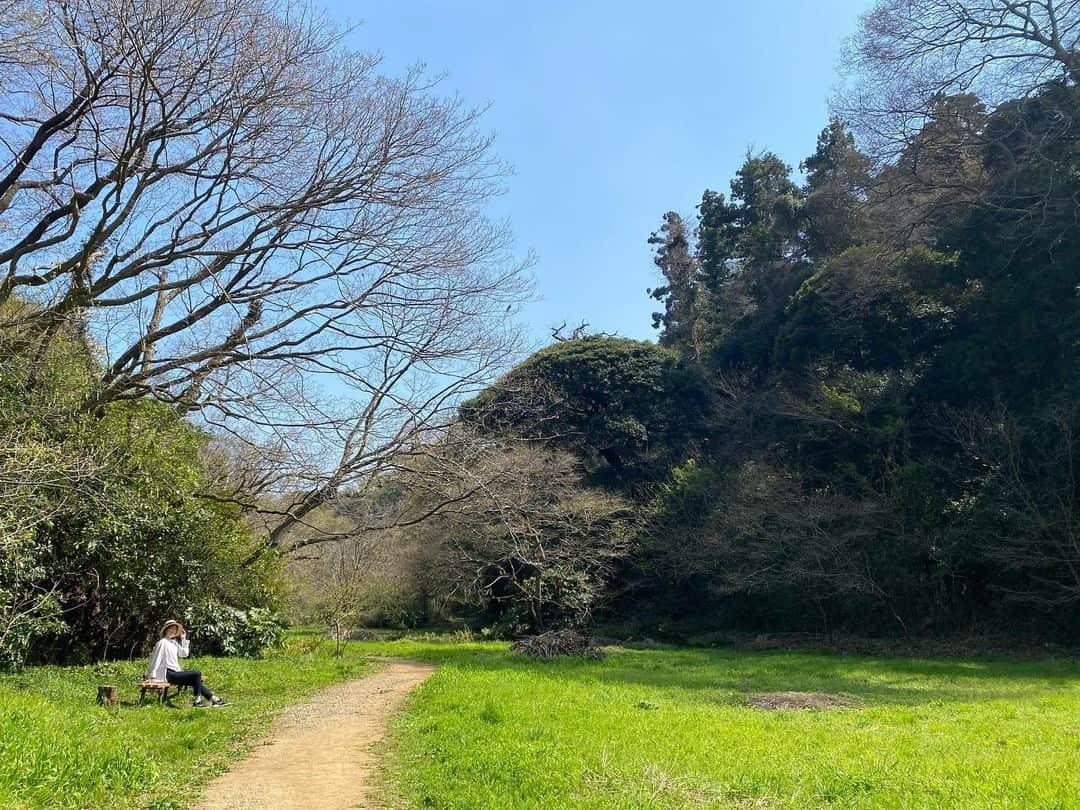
{"points": [[169, 625]]}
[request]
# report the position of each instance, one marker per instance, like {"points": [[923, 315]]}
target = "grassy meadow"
{"points": [[60, 750], [656, 728], [669, 728]]}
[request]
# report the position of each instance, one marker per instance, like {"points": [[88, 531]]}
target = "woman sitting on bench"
{"points": [[165, 665]]}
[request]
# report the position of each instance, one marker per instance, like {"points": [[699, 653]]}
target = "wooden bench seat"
{"points": [[161, 688]]}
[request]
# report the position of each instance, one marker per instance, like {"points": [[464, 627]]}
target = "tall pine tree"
{"points": [[680, 292]]}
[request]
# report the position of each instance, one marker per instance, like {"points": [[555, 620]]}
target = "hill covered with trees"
{"points": [[862, 412]]}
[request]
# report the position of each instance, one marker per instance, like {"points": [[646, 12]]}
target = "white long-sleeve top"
{"points": [[166, 656]]}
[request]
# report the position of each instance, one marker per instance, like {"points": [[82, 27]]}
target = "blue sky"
{"points": [[612, 113]]}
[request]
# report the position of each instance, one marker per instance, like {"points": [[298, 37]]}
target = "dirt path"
{"points": [[320, 753]]}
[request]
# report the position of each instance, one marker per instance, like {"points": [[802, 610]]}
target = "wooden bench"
{"points": [[160, 687]]}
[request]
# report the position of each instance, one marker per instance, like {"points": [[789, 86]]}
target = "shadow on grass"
{"points": [[135, 703], [721, 676]]}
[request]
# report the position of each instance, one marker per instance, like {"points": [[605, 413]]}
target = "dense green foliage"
{"points": [[492, 729], [897, 374], [628, 408], [108, 529], [59, 750], [862, 414], [227, 630]]}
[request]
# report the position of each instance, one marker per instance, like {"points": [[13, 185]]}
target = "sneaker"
{"points": [[200, 704], [219, 702]]}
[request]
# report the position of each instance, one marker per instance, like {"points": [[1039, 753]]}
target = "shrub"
{"points": [[105, 527], [27, 611], [221, 629]]}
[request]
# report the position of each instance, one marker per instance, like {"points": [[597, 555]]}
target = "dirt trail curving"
{"points": [[320, 754]]}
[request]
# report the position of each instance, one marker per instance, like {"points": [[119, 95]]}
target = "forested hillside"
{"points": [[863, 412], [891, 340]]}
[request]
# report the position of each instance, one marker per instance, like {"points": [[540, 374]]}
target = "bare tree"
{"points": [[255, 225], [909, 53], [341, 583], [1024, 512], [523, 532], [374, 578], [764, 528], [966, 104]]}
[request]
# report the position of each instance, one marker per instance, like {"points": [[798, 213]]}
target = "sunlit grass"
{"points": [[59, 750], [669, 729], [663, 728]]}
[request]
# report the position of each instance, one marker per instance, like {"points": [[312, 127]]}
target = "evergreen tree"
{"points": [[717, 238], [680, 291], [769, 209], [837, 176]]}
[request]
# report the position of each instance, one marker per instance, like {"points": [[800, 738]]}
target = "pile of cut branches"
{"points": [[555, 644]]}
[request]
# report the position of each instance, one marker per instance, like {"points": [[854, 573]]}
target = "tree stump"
{"points": [[108, 696]]}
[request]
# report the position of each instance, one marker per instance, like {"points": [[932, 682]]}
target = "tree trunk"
{"points": [[539, 612], [108, 696]]}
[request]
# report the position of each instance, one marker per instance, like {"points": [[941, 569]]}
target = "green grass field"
{"points": [[670, 729], [59, 750], [665, 728]]}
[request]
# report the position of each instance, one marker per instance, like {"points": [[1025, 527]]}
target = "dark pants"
{"points": [[189, 677]]}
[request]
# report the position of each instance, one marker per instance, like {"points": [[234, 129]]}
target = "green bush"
{"points": [[106, 529], [27, 610], [220, 629]]}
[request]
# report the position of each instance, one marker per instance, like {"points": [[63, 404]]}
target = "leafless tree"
{"points": [[374, 578], [559, 335], [908, 53], [1025, 511], [528, 532], [765, 529], [477, 521], [396, 482], [341, 581], [256, 226]]}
